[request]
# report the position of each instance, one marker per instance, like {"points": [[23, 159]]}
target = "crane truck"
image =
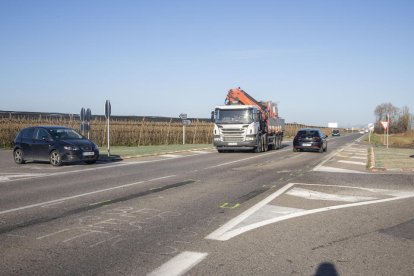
{"points": [[244, 123]]}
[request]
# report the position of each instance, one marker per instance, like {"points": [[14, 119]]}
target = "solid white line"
{"points": [[180, 264], [81, 195], [233, 222], [314, 195]]}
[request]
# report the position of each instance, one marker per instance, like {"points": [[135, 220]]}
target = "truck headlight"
{"points": [[250, 137]]}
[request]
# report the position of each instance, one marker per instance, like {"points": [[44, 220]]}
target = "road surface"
{"points": [[207, 213]]}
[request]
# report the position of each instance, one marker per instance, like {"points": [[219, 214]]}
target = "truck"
{"points": [[245, 124]]}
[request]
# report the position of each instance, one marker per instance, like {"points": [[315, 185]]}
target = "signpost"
{"points": [[107, 116], [85, 117], [385, 125], [185, 122], [371, 129]]}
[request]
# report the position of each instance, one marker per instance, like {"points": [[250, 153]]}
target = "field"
{"points": [[124, 131], [400, 140]]}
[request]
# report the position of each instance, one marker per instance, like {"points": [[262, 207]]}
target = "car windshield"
{"points": [[307, 133], [65, 134], [234, 116]]}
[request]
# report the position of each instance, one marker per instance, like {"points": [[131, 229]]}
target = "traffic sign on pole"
{"points": [[108, 115], [82, 114], [107, 109], [384, 124]]}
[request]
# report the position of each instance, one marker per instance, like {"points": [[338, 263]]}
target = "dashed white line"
{"points": [[180, 264]]}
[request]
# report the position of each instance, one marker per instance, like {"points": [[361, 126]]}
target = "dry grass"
{"points": [[400, 140], [122, 132]]}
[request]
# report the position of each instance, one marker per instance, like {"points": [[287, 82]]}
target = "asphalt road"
{"points": [[209, 213]]}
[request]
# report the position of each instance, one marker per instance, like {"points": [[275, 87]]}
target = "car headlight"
{"points": [[71, 148]]}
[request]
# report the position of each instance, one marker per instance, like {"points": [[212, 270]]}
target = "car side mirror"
{"points": [[45, 138]]}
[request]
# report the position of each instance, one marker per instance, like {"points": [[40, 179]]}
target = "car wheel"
{"points": [[55, 158], [321, 149], [295, 149], [18, 156], [326, 148]]}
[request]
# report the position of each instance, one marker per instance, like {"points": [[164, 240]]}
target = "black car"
{"points": [[310, 139], [55, 144], [336, 132]]}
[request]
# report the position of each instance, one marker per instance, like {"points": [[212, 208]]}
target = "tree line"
{"points": [[400, 119]]}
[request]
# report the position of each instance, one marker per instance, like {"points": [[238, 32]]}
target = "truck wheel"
{"points": [[259, 146], [264, 143]]}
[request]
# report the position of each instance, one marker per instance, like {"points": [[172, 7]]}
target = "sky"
{"points": [[320, 61]]}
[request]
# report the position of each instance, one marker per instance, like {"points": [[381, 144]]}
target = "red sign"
{"points": [[384, 124]]}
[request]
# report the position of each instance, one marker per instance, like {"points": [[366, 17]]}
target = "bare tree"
{"points": [[382, 112]]}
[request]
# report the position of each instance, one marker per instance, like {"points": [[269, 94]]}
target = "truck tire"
{"points": [[259, 146], [264, 143]]}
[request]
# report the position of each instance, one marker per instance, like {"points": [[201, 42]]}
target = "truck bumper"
{"points": [[247, 145]]}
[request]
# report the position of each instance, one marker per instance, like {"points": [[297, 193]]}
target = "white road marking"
{"points": [[200, 152], [314, 195], [171, 155], [81, 195], [332, 169], [244, 159], [220, 232], [180, 264], [236, 226], [358, 157], [352, 162]]}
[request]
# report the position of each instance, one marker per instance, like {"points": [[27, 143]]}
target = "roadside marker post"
{"points": [[108, 115]]}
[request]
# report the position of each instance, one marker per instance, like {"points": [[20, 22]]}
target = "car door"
{"points": [[26, 142], [41, 144]]}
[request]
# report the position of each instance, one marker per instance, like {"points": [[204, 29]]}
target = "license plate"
{"points": [[307, 144], [232, 144], [88, 153]]}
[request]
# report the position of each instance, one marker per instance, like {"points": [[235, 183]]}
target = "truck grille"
{"points": [[233, 134]]}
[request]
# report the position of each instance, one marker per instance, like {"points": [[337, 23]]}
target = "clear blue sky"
{"points": [[321, 61]]}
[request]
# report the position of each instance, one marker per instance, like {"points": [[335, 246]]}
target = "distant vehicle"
{"points": [[336, 132], [247, 124], [55, 144], [310, 139]]}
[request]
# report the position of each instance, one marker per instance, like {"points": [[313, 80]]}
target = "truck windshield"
{"points": [[234, 116]]}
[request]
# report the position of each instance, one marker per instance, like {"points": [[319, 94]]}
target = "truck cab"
{"points": [[236, 127]]}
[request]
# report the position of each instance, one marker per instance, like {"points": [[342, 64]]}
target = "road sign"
{"points": [[183, 116], [371, 127], [107, 109], [384, 124], [186, 122], [88, 115], [82, 114]]}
